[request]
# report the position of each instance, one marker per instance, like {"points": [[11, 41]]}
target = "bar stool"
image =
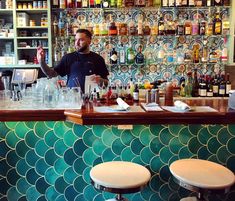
{"points": [[202, 177], [119, 177]]}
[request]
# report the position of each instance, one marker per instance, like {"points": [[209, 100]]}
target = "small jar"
{"points": [[30, 6], [32, 23], [35, 4], [25, 6], [19, 6], [40, 4], [44, 4]]}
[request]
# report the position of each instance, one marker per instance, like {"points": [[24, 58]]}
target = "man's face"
{"points": [[82, 42]]}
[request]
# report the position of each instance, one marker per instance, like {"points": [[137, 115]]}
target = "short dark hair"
{"points": [[86, 32]]}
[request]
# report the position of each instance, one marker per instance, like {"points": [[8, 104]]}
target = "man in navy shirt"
{"points": [[79, 64]]}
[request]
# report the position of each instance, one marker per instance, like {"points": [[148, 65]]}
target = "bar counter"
{"points": [[47, 154]]}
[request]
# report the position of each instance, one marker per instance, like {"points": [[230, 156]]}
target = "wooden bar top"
{"points": [[87, 115]]}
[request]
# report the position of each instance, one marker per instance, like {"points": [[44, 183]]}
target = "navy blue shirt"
{"points": [[76, 66]]}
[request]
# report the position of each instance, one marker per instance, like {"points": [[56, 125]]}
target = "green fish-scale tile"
{"points": [[126, 137], [156, 145], [60, 166], [98, 130], [185, 153], [194, 145], [88, 138], [42, 198], [60, 198], [60, 185], [41, 148], [11, 139], [213, 145], [80, 185], [50, 124], [80, 197], [50, 138], [98, 197], [23, 198], [40, 129], [231, 145], [79, 147], [146, 137], [32, 194], [21, 129], [41, 166], [108, 155], [223, 136], [79, 166], [51, 194], [174, 197], [185, 136], [12, 158], [156, 164], [5, 186], [60, 129], [172, 185], [70, 193], [98, 147], [22, 167], [69, 138], [89, 192], [137, 129], [175, 128], [89, 156], [13, 194], [86, 175], [3, 130], [204, 136], [30, 124], [156, 129], [4, 149], [231, 129], [165, 155], [108, 137], [165, 173], [203, 153], [136, 146], [60, 147], [137, 197], [117, 146], [146, 155], [173, 158], [138, 160], [69, 124], [70, 156], [22, 185], [70, 175], [214, 129], [10, 124], [231, 163], [127, 154], [32, 176], [223, 154], [22, 148], [51, 157], [194, 128], [41, 185], [78, 130], [146, 192], [31, 157], [175, 145], [156, 197], [12, 176], [31, 139], [155, 183], [51, 176], [117, 132], [213, 158], [165, 191]]}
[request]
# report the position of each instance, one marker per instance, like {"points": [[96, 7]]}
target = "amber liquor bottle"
{"points": [[195, 86], [228, 85]]}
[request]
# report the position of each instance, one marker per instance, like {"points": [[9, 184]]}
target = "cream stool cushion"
{"points": [[202, 174], [120, 175], [189, 199]]}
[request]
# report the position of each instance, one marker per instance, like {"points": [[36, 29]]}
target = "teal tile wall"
{"points": [[52, 160]]}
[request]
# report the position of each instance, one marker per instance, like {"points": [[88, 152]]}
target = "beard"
{"points": [[82, 49]]}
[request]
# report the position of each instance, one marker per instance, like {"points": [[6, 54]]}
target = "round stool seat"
{"points": [[120, 176], [202, 174]]}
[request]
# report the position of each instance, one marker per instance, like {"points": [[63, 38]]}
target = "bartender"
{"points": [[79, 64]]}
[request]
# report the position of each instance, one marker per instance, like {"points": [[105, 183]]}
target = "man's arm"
{"points": [[49, 72]]}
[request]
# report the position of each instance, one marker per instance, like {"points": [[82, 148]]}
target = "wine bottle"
{"points": [[113, 56], [228, 85], [139, 58], [195, 86]]}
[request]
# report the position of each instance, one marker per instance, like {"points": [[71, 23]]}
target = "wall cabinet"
{"points": [[27, 25]]}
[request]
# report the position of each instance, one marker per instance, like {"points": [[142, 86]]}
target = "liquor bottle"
{"points": [[213, 56], [91, 3], [112, 29], [217, 28], [63, 4], [140, 26], [161, 26], [225, 25], [195, 27], [202, 27], [136, 93], [129, 3], [139, 58], [113, 56], [215, 86], [171, 3], [55, 4], [70, 4], [195, 85], [188, 85], [218, 2], [164, 3], [113, 3], [180, 28], [204, 57], [130, 55], [208, 2], [209, 26], [203, 87], [61, 25], [140, 3], [122, 55], [119, 3], [198, 3], [55, 26], [184, 3], [97, 3], [228, 85], [226, 2], [156, 3], [209, 92], [187, 27], [224, 52], [191, 3], [222, 86], [149, 3], [85, 3], [196, 48], [78, 3]]}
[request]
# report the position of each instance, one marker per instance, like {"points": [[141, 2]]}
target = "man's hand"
{"points": [[40, 54]]}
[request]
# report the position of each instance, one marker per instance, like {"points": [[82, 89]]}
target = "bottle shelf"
{"points": [[32, 37], [6, 11], [29, 48], [32, 27]]}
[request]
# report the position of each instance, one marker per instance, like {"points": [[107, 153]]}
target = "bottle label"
{"points": [[215, 89], [114, 57], [135, 95], [228, 88]]}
